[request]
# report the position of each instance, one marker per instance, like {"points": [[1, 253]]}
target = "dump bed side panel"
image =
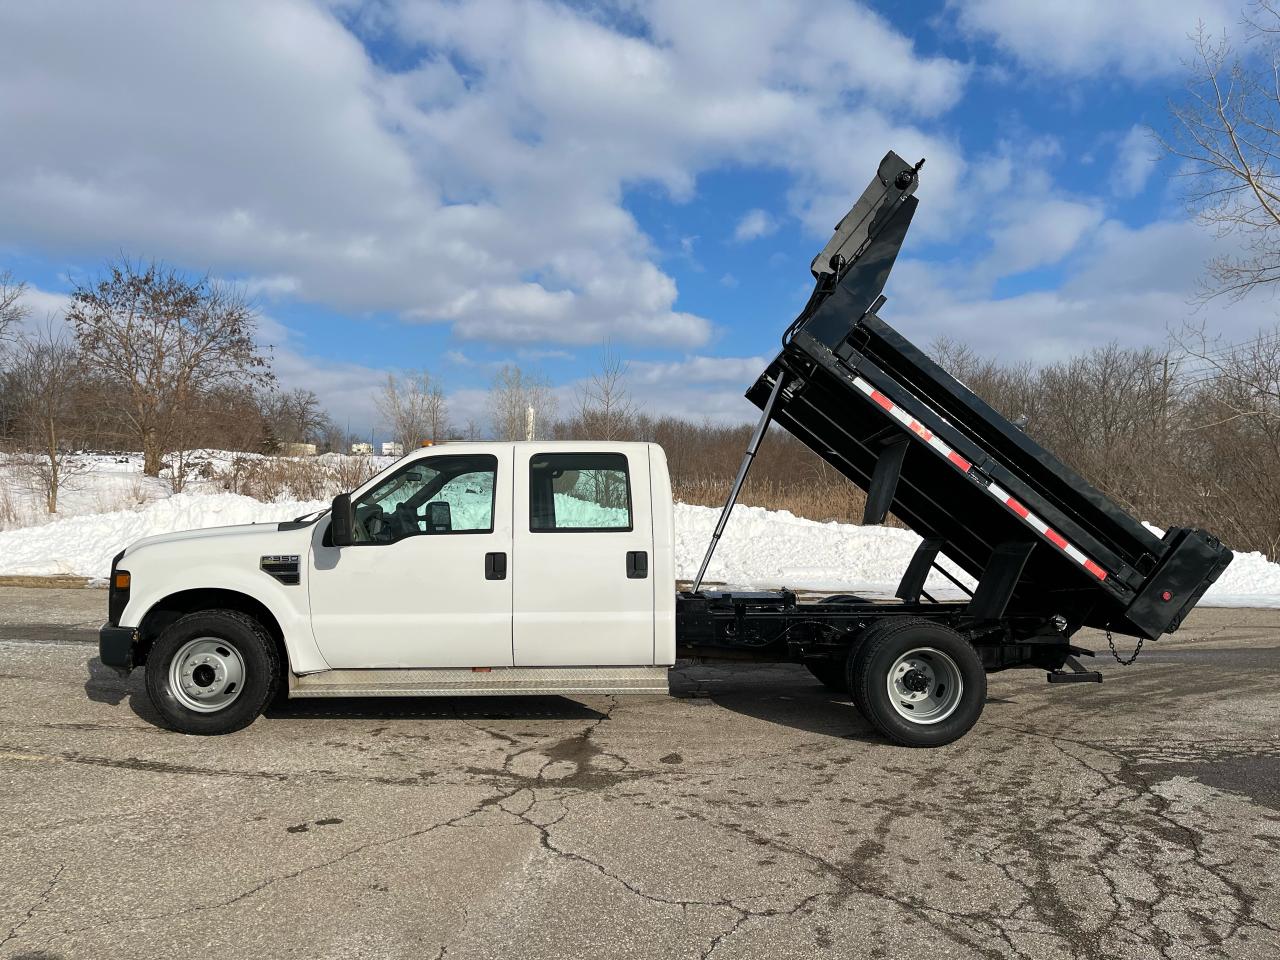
{"points": [[1033, 465]]}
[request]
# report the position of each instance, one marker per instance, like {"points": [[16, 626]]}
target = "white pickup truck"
{"points": [[485, 568], [466, 568]]}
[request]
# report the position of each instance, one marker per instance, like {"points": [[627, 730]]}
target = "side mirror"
{"points": [[342, 521], [439, 517]]}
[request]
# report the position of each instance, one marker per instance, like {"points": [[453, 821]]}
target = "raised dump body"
{"points": [[1036, 536]]}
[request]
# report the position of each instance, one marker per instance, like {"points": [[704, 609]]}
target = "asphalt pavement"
{"points": [[751, 814]]}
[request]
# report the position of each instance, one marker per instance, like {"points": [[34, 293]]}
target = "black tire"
{"points": [[874, 659], [834, 674], [242, 635], [830, 673], [853, 666]]}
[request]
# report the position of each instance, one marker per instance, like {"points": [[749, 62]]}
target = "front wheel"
{"points": [[212, 672], [920, 683]]}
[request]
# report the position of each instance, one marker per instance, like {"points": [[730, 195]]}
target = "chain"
{"points": [[1112, 644]]}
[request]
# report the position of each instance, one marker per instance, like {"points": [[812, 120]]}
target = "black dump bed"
{"points": [[929, 450]]}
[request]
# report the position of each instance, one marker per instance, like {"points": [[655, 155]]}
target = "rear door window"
{"points": [[582, 492]]}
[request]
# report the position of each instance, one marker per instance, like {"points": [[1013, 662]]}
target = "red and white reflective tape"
{"points": [[1050, 534], [919, 429], [963, 465]]}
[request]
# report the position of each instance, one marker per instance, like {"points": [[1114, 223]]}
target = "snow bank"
{"points": [[1251, 581], [773, 548], [766, 548], [760, 548], [83, 546]]}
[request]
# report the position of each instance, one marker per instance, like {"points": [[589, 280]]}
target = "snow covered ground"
{"points": [[760, 548], [108, 482]]}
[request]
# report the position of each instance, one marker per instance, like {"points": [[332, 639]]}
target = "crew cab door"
{"points": [[427, 583], [582, 558]]}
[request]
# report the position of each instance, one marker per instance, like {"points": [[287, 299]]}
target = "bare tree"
{"points": [[414, 408], [605, 410], [47, 381], [295, 417], [512, 395], [1226, 133], [166, 339], [12, 308], [333, 438]]}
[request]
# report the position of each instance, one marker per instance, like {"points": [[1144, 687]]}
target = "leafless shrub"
{"points": [[347, 473], [280, 478], [834, 500], [293, 478], [9, 516]]}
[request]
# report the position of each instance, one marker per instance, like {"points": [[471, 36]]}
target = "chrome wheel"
{"points": [[206, 674], [925, 686]]}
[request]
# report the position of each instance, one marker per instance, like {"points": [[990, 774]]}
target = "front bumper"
{"points": [[115, 647]]}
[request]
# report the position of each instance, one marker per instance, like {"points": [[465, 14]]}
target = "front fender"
{"points": [[287, 603]]}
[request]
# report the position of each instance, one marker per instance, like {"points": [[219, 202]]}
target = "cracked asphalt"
{"points": [[752, 814]]}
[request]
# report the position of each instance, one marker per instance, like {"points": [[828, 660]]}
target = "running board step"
{"points": [[465, 682]]}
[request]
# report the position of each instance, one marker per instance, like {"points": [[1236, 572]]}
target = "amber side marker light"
{"points": [[122, 580]]}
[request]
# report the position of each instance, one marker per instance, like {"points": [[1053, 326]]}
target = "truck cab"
{"points": [[467, 568]]}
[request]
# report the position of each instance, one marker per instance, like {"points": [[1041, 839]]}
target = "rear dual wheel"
{"points": [[919, 683]]}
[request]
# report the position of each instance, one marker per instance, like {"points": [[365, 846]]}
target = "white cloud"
{"points": [[1131, 285], [275, 286], [1011, 199], [693, 388], [1135, 161], [1138, 39], [42, 305], [480, 186], [754, 225], [1038, 233], [699, 370]]}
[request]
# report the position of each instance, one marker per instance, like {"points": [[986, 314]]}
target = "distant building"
{"points": [[298, 449], [392, 448], [362, 449]]}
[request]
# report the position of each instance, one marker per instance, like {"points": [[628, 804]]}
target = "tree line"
{"points": [[1187, 433]]}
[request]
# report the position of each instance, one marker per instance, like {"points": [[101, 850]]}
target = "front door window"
{"points": [[429, 497]]}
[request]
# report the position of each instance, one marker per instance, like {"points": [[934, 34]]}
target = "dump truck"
{"points": [[469, 569]]}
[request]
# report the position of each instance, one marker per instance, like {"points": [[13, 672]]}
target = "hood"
{"points": [[208, 534]]}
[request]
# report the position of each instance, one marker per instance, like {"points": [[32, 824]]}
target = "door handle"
{"points": [[495, 566], [637, 565]]}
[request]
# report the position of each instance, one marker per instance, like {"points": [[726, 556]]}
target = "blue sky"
{"points": [[458, 185]]}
